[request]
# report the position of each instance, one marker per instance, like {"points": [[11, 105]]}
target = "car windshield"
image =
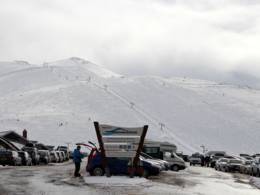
{"points": [[29, 149], [219, 154], [42, 152], [235, 161], [223, 160], [195, 155], [21, 153], [62, 148]]}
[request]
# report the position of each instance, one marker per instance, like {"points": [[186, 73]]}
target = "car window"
{"points": [[219, 154], [235, 161], [151, 150]]}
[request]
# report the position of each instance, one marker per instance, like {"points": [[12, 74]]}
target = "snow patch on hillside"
{"points": [[58, 101]]}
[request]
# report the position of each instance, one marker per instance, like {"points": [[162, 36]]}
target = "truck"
{"points": [[165, 151]]}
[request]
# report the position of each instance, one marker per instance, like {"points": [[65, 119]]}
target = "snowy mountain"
{"points": [[57, 102]]}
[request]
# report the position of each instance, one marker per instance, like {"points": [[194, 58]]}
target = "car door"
{"points": [[118, 166]]}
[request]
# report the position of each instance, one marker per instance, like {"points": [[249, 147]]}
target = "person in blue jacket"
{"points": [[77, 156]]}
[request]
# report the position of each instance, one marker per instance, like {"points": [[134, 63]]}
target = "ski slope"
{"points": [[57, 103]]}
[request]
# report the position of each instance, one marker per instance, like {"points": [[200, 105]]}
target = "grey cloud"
{"points": [[204, 39]]}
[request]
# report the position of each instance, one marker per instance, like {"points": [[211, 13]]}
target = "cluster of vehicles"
{"points": [[147, 165], [244, 163], [33, 155]]}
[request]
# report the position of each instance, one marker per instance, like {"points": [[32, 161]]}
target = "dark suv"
{"points": [[33, 152], [44, 156], [119, 166], [26, 159], [8, 157]]}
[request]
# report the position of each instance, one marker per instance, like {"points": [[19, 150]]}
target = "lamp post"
{"points": [[204, 149]]}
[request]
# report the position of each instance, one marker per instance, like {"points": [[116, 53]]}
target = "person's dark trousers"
{"points": [[77, 169]]}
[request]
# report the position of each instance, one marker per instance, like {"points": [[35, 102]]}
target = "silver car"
{"points": [[221, 164], [255, 167], [54, 157], [233, 165], [246, 167]]}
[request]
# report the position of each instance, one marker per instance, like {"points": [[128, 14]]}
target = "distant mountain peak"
{"points": [[22, 62], [79, 60], [87, 65]]}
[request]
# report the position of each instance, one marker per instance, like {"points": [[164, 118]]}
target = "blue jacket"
{"points": [[77, 156]]}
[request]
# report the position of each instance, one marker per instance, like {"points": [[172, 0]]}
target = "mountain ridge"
{"points": [[58, 103]]}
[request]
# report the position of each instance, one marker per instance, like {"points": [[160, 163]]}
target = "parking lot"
{"points": [[58, 179]]}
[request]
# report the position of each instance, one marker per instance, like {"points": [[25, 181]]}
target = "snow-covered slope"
{"points": [[58, 102]]}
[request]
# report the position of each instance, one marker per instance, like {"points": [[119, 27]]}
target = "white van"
{"points": [[176, 162]]}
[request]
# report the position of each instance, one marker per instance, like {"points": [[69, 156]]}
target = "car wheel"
{"points": [[98, 171], [175, 168], [258, 173], [145, 173]]}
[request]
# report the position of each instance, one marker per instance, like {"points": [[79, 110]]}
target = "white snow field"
{"points": [[57, 102], [57, 179]]}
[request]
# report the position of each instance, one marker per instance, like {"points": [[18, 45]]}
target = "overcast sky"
{"points": [[200, 38]]}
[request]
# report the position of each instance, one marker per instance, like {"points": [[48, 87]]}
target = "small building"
{"points": [[7, 145], [157, 149], [14, 138]]}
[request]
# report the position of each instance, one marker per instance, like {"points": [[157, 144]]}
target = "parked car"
{"points": [[54, 157], [119, 166], [8, 157], [61, 159], [245, 168], [165, 165], [65, 150], [64, 155], [154, 162], [44, 156], [33, 152], [221, 164], [233, 165], [215, 157], [195, 159], [183, 156], [176, 162], [25, 157], [256, 155], [70, 154], [255, 167]]}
